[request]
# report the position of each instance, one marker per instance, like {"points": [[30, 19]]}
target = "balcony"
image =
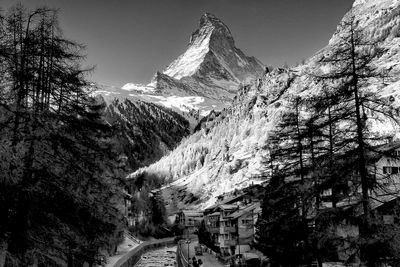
{"points": [[227, 229], [213, 230], [227, 243]]}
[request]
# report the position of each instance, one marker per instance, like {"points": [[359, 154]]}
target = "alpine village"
{"points": [[219, 161]]}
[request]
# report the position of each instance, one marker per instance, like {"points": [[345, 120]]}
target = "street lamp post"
{"points": [[188, 242]]}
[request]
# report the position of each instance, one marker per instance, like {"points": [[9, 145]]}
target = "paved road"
{"points": [[158, 257], [209, 260]]}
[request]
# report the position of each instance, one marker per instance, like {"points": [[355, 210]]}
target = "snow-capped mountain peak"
{"points": [[211, 68], [189, 62], [211, 36], [212, 59], [209, 21]]}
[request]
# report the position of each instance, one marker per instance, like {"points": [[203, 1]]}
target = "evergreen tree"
{"points": [[283, 229], [324, 143], [349, 97], [58, 192]]}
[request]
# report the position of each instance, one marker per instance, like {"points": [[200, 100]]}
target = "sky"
{"points": [[129, 40]]}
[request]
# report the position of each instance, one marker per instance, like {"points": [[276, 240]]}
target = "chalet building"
{"points": [[190, 220], [218, 225], [384, 167], [232, 226], [127, 208]]}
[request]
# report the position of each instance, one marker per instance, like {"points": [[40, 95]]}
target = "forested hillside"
{"points": [[144, 132], [59, 180]]}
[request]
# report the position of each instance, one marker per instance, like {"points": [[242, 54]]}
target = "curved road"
{"points": [[158, 257], [209, 260]]}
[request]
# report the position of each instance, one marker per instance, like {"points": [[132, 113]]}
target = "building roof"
{"points": [[228, 207], [225, 201], [387, 190], [245, 210], [379, 196], [377, 152], [191, 213]]}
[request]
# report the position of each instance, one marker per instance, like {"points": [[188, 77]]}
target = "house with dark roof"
{"points": [[384, 197], [232, 226], [190, 220]]}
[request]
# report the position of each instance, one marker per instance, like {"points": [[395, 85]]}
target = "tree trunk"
{"points": [[70, 260], [3, 252], [360, 138], [334, 193]]}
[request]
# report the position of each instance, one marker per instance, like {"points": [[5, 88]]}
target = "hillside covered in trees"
{"points": [[144, 132], [60, 185]]}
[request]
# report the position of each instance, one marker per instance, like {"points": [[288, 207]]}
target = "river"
{"points": [[161, 257]]}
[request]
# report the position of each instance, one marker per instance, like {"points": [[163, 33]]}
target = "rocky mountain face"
{"points": [[213, 62], [206, 76], [231, 152]]}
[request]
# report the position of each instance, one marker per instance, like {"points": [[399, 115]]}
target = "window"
{"points": [[327, 192], [391, 170], [388, 219], [386, 170]]}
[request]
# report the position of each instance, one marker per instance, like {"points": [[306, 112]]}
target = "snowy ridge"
{"points": [[373, 2]]}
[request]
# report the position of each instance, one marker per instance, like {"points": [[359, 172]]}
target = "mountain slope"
{"points": [[144, 131], [231, 154]]}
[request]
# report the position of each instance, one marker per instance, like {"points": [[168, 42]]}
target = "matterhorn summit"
{"points": [[206, 76], [212, 54]]}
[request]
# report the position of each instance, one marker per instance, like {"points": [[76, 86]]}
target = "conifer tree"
{"points": [[326, 147], [283, 229], [58, 192], [348, 97]]}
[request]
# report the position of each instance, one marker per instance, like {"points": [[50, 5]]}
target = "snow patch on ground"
{"points": [[138, 87], [185, 103], [106, 93]]}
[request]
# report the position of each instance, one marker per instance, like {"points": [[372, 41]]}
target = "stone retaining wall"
{"points": [[133, 256]]}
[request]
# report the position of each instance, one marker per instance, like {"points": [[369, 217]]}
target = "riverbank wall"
{"points": [[133, 256]]}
